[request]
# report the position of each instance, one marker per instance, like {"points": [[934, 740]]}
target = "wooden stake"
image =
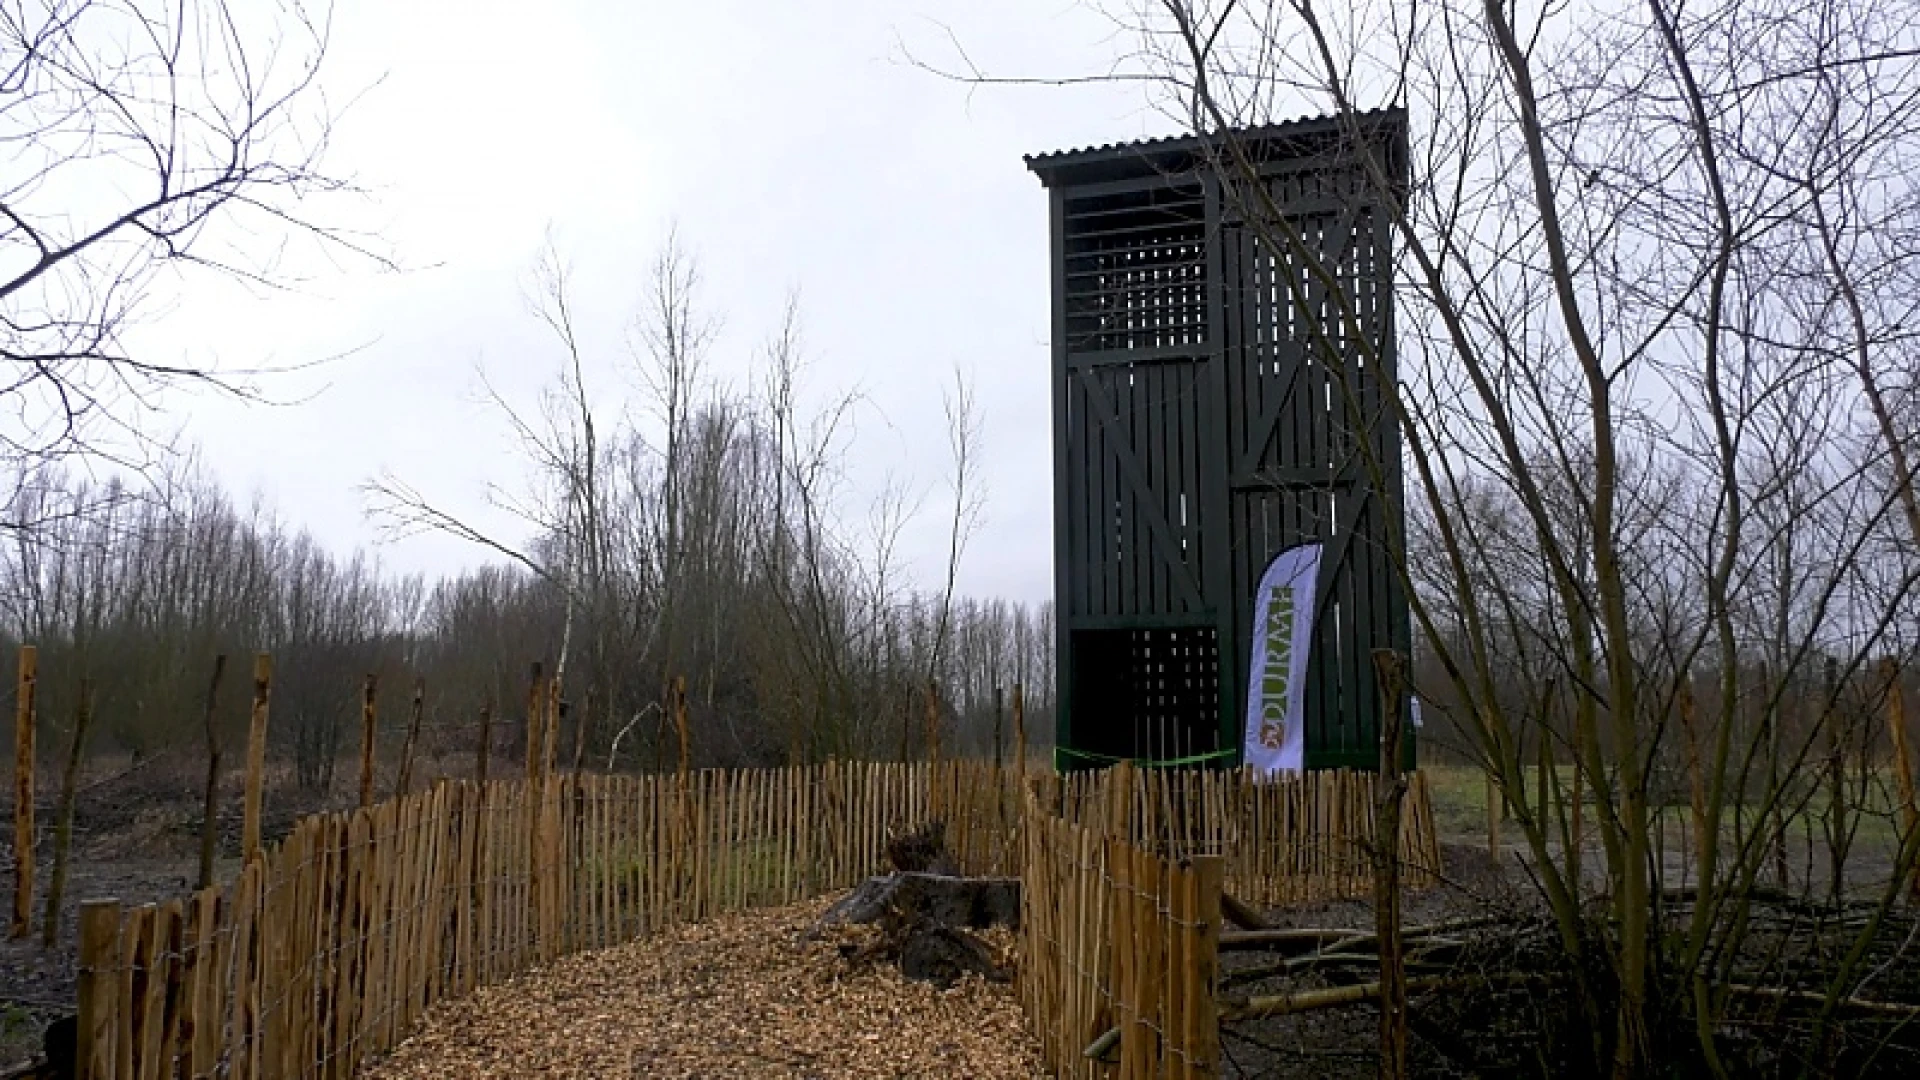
{"points": [[256, 755], [405, 783], [63, 820], [1902, 759], [369, 725], [1020, 733], [23, 789], [210, 806], [535, 699], [933, 721], [999, 743], [486, 743], [680, 723]]}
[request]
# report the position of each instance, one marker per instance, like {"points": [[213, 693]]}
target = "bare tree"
{"points": [[144, 137], [1654, 306]]}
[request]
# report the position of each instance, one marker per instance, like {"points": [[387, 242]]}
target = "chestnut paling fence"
{"points": [[1122, 877], [328, 947]]}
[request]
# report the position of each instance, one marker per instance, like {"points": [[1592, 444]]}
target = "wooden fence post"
{"points": [[94, 1028], [256, 755], [23, 789], [369, 725]]}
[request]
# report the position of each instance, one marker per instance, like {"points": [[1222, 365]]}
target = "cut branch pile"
{"points": [[1489, 993]]}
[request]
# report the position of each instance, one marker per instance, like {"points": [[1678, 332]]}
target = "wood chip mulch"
{"points": [[735, 996]]}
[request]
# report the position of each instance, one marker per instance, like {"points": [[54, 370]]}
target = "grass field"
{"points": [[1459, 795]]}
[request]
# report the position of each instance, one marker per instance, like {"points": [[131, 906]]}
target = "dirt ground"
{"points": [[736, 996]]}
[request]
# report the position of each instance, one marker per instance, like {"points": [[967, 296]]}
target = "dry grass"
{"points": [[736, 996]]}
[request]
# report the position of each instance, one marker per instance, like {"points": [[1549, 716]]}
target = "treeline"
{"points": [[130, 595]]}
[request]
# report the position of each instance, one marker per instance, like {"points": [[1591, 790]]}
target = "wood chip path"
{"points": [[736, 996]]}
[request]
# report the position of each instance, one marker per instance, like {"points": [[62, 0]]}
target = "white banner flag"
{"points": [[1277, 677]]}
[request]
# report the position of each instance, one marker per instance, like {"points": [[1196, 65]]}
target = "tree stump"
{"points": [[925, 912]]}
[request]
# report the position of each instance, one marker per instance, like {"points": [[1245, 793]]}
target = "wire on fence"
{"points": [[329, 947]]}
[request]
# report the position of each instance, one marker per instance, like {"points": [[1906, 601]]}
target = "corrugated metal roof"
{"points": [[1051, 159]]}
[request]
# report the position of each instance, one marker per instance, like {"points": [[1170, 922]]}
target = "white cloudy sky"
{"points": [[792, 147]]}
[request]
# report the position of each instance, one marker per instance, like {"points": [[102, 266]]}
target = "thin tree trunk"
{"points": [[1388, 668], [210, 807], [933, 721], [582, 728], [1837, 781], [1902, 758], [405, 783], [999, 729], [369, 724], [63, 822]]}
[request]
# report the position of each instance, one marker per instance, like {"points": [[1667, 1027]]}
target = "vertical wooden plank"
{"points": [[256, 755], [171, 975], [201, 1033], [465, 981], [246, 961], [96, 1028], [1203, 966], [1123, 956], [344, 962], [146, 992], [26, 686], [1174, 880]]}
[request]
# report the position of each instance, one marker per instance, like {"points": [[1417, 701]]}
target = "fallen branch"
{"points": [[1299, 1001], [1248, 940], [1811, 997]]}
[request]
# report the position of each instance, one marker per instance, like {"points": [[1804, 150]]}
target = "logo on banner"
{"points": [[1282, 634], [1278, 669]]}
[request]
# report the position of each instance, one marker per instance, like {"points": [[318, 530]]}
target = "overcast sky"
{"points": [[790, 144]]}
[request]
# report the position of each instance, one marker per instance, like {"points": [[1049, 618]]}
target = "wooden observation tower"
{"points": [[1222, 334]]}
